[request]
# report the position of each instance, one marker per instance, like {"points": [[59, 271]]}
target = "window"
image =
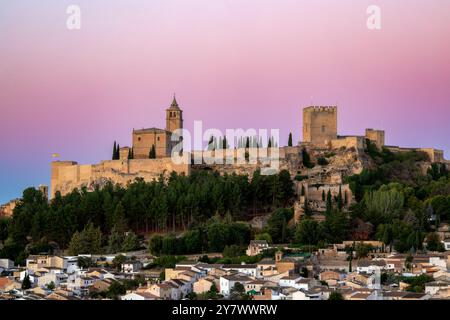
{"points": [[157, 139], [323, 128], [139, 138]]}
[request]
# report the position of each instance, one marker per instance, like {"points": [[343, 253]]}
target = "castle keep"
{"points": [[319, 125]]}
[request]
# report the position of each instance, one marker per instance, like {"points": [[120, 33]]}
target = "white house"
{"points": [[227, 283], [6, 264], [370, 266], [290, 281], [139, 296], [303, 294], [432, 288], [184, 287], [250, 270], [47, 278], [131, 266]]}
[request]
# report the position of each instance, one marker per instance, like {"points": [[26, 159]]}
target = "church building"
{"points": [[145, 139]]}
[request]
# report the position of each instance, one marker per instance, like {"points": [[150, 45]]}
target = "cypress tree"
{"points": [[329, 202], [290, 140], [339, 199], [118, 152], [247, 143], [303, 190], [269, 144], [306, 159], [152, 153], [130, 156], [114, 153], [26, 283], [323, 195]]}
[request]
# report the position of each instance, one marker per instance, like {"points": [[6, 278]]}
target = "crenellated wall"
{"points": [[67, 175]]}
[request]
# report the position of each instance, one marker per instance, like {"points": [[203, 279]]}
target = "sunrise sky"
{"points": [[232, 64]]}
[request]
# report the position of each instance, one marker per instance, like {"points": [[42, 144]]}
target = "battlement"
{"points": [[331, 109]]}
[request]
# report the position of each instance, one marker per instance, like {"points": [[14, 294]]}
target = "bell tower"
{"points": [[174, 116]]}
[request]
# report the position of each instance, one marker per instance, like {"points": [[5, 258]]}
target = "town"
{"points": [[288, 275]]}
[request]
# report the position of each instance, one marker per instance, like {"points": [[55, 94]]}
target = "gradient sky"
{"points": [[241, 63]]}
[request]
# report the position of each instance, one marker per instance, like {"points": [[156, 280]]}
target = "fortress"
{"points": [[344, 155]]}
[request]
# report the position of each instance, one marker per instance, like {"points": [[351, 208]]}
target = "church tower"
{"points": [[174, 116]]}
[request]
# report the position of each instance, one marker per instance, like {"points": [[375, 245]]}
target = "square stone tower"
{"points": [[319, 125], [376, 136]]}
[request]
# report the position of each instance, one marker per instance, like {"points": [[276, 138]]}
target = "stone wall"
{"points": [[348, 142], [67, 175], [435, 155]]}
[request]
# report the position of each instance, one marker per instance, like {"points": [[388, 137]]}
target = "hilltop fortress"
{"points": [[344, 156]]}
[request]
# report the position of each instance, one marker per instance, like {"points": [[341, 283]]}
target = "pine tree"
{"points": [[290, 140], [152, 153]]}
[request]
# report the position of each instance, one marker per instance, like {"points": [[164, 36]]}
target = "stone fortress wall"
{"points": [[67, 175]]}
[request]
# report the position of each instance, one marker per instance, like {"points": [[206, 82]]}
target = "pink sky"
{"points": [[246, 63]]}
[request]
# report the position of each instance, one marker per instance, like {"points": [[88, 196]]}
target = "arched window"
{"points": [[323, 128]]}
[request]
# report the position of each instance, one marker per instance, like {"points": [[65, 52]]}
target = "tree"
{"points": [[434, 242], [307, 232], [238, 292], [131, 242], [115, 241], [152, 153], [155, 244], [323, 195], [336, 295], [130, 153], [362, 250], [213, 292], [85, 262], [114, 153], [115, 290], [26, 283], [118, 261], [264, 236], [306, 159], [87, 241], [290, 140], [51, 286], [340, 203], [329, 203], [120, 221]]}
